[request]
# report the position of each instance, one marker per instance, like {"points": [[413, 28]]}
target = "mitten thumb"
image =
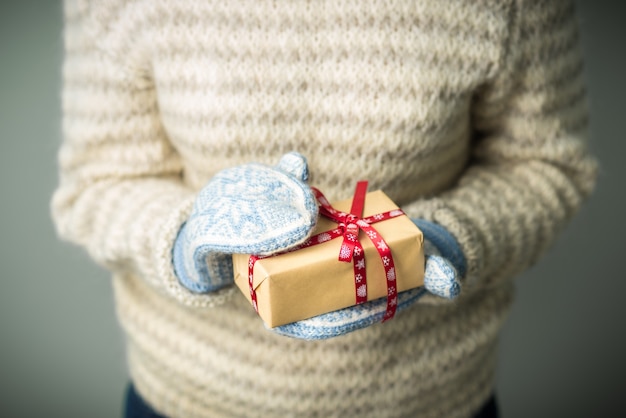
{"points": [[295, 164], [440, 277]]}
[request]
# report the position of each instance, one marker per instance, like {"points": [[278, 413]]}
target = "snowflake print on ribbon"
{"points": [[345, 252], [251, 261], [361, 291], [348, 222], [323, 237]]}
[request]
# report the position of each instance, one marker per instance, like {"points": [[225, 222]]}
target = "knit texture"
{"points": [[248, 209], [438, 241], [468, 114]]}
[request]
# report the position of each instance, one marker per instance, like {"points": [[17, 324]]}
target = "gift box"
{"points": [[331, 271]]}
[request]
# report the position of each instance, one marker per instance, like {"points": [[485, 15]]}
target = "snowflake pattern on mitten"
{"points": [[249, 209]]}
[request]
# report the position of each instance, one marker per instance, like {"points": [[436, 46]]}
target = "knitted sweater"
{"points": [[470, 114]]}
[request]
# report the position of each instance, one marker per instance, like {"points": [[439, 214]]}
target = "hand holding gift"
{"points": [[297, 286], [257, 209], [252, 208], [330, 271], [445, 265]]}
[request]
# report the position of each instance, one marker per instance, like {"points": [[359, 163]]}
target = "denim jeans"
{"points": [[135, 407]]}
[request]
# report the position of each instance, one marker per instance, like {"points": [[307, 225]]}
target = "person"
{"points": [[193, 129]]}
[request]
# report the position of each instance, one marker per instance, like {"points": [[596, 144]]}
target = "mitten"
{"points": [[250, 209], [445, 264], [445, 261]]}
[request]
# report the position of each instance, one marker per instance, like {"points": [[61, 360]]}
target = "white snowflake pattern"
{"points": [[323, 237], [361, 291], [361, 263], [372, 234], [362, 223], [393, 301], [382, 246], [358, 278], [385, 261], [395, 213], [344, 252], [351, 237], [378, 216], [391, 274], [250, 263], [357, 251], [391, 291], [250, 278]]}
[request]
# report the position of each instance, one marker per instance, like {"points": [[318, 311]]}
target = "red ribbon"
{"points": [[349, 225]]}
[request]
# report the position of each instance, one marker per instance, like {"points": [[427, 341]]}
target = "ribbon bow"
{"points": [[349, 226]]}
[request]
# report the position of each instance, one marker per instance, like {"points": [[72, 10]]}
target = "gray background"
{"points": [[61, 351]]}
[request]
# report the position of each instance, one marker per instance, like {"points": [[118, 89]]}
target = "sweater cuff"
{"points": [[165, 263], [214, 273]]}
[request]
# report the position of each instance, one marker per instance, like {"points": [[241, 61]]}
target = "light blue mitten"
{"points": [[249, 209], [445, 264]]}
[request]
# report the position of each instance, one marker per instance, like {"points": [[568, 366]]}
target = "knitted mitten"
{"points": [[249, 209], [445, 264], [445, 261]]}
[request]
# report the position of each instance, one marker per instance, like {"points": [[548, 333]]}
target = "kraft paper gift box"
{"points": [[311, 281]]}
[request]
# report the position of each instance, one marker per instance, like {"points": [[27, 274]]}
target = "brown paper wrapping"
{"points": [[312, 281]]}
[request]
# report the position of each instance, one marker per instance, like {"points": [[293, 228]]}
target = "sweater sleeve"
{"points": [[529, 171], [121, 194]]}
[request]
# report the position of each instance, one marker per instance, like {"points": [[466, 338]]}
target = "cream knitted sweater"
{"points": [[470, 114]]}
